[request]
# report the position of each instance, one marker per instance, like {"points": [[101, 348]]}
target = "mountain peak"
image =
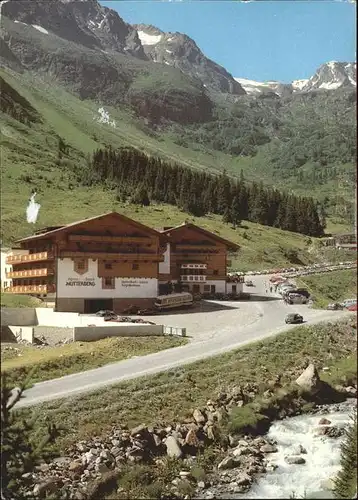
{"points": [[329, 76], [181, 51]]}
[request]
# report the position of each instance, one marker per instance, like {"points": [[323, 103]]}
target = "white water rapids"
{"points": [[322, 458]]}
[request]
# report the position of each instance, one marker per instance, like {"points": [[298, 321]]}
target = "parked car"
{"points": [[249, 283], [349, 302], [296, 298], [353, 307], [335, 306], [293, 318], [106, 313]]}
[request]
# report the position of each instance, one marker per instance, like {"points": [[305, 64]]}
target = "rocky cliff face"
{"points": [[93, 52], [180, 51], [84, 22]]}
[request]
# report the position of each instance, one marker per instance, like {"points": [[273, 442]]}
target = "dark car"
{"points": [[335, 306], [293, 318], [104, 313]]}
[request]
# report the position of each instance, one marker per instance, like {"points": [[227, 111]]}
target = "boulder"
{"points": [[351, 390], [327, 484], [211, 432], [324, 421], [299, 449], [295, 459], [138, 430], [173, 447], [199, 417], [76, 466], [243, 479], [268, 448], [191, 438], [309, 379], [49, 486], [229, 462]]}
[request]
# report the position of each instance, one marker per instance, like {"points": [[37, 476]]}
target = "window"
{"points": [[108, 265], [135, 267], [233, 288], [215, 272], [81, 264], [206, 288], [108, 283]]}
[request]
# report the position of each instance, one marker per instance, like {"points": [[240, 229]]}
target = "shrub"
{"points": [[245, 420]]}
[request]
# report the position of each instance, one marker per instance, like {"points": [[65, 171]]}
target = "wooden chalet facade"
{"points": [[113, 262], [198, 260]]}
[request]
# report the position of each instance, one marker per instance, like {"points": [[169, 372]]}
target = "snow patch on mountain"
{"points": [[250, 86], [147, 39], [104, 118], [299, 84], [40, 28]]}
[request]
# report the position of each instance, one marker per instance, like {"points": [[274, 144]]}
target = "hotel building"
{"points": [[113, 262]]}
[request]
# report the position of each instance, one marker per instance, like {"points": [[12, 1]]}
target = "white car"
{"points": [[349, 302]]}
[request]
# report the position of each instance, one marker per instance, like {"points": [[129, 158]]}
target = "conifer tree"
{"points": [[346, 481], [141, 197], [227, 215]]}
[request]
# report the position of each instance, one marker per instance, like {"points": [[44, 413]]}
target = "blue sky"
{"points": [[259, 40]]}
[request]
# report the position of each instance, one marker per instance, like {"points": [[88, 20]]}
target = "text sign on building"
{"points": [[135, 282], [80, 282], [90, 285]]}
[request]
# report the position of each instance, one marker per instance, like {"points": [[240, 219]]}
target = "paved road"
{"points": [[217, 328]]}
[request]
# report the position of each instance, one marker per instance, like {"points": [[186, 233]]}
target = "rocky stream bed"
{"points": [[244, 458]]}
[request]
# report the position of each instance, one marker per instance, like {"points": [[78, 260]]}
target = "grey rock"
{"points": [[173, 447], [102, 468], [309, 380], [229, 462], [199, 417], [268, 448], [243, 479], [294, 459], [324, 421], [138, 430], [297, 450]]}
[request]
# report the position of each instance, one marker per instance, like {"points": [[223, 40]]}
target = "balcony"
{"points": [[130, 256], [31, 289], [109, 239], [193, 265], [33, 257], [30, 273], [193, 278]]}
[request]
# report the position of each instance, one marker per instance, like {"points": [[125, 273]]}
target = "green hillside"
{"points": [[47, 134]]}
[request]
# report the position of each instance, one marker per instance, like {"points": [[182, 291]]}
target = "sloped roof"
{"points": [[121, 217], [230, 245]]}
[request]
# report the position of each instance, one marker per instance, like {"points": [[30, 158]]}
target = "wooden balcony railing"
{"points": [[191, 246], [114, 239], [130, 256], [30, 273], [33, 257], [31, 289]]}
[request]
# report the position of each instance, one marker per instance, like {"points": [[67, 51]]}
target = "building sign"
{"points": [[135, 282], [90, 286], [80, 282]]}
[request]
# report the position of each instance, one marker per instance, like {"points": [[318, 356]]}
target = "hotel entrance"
{"points": [[94, 305]]}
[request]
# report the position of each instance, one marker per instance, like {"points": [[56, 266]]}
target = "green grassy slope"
{"points": [[331, 287], [30, 162]]}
